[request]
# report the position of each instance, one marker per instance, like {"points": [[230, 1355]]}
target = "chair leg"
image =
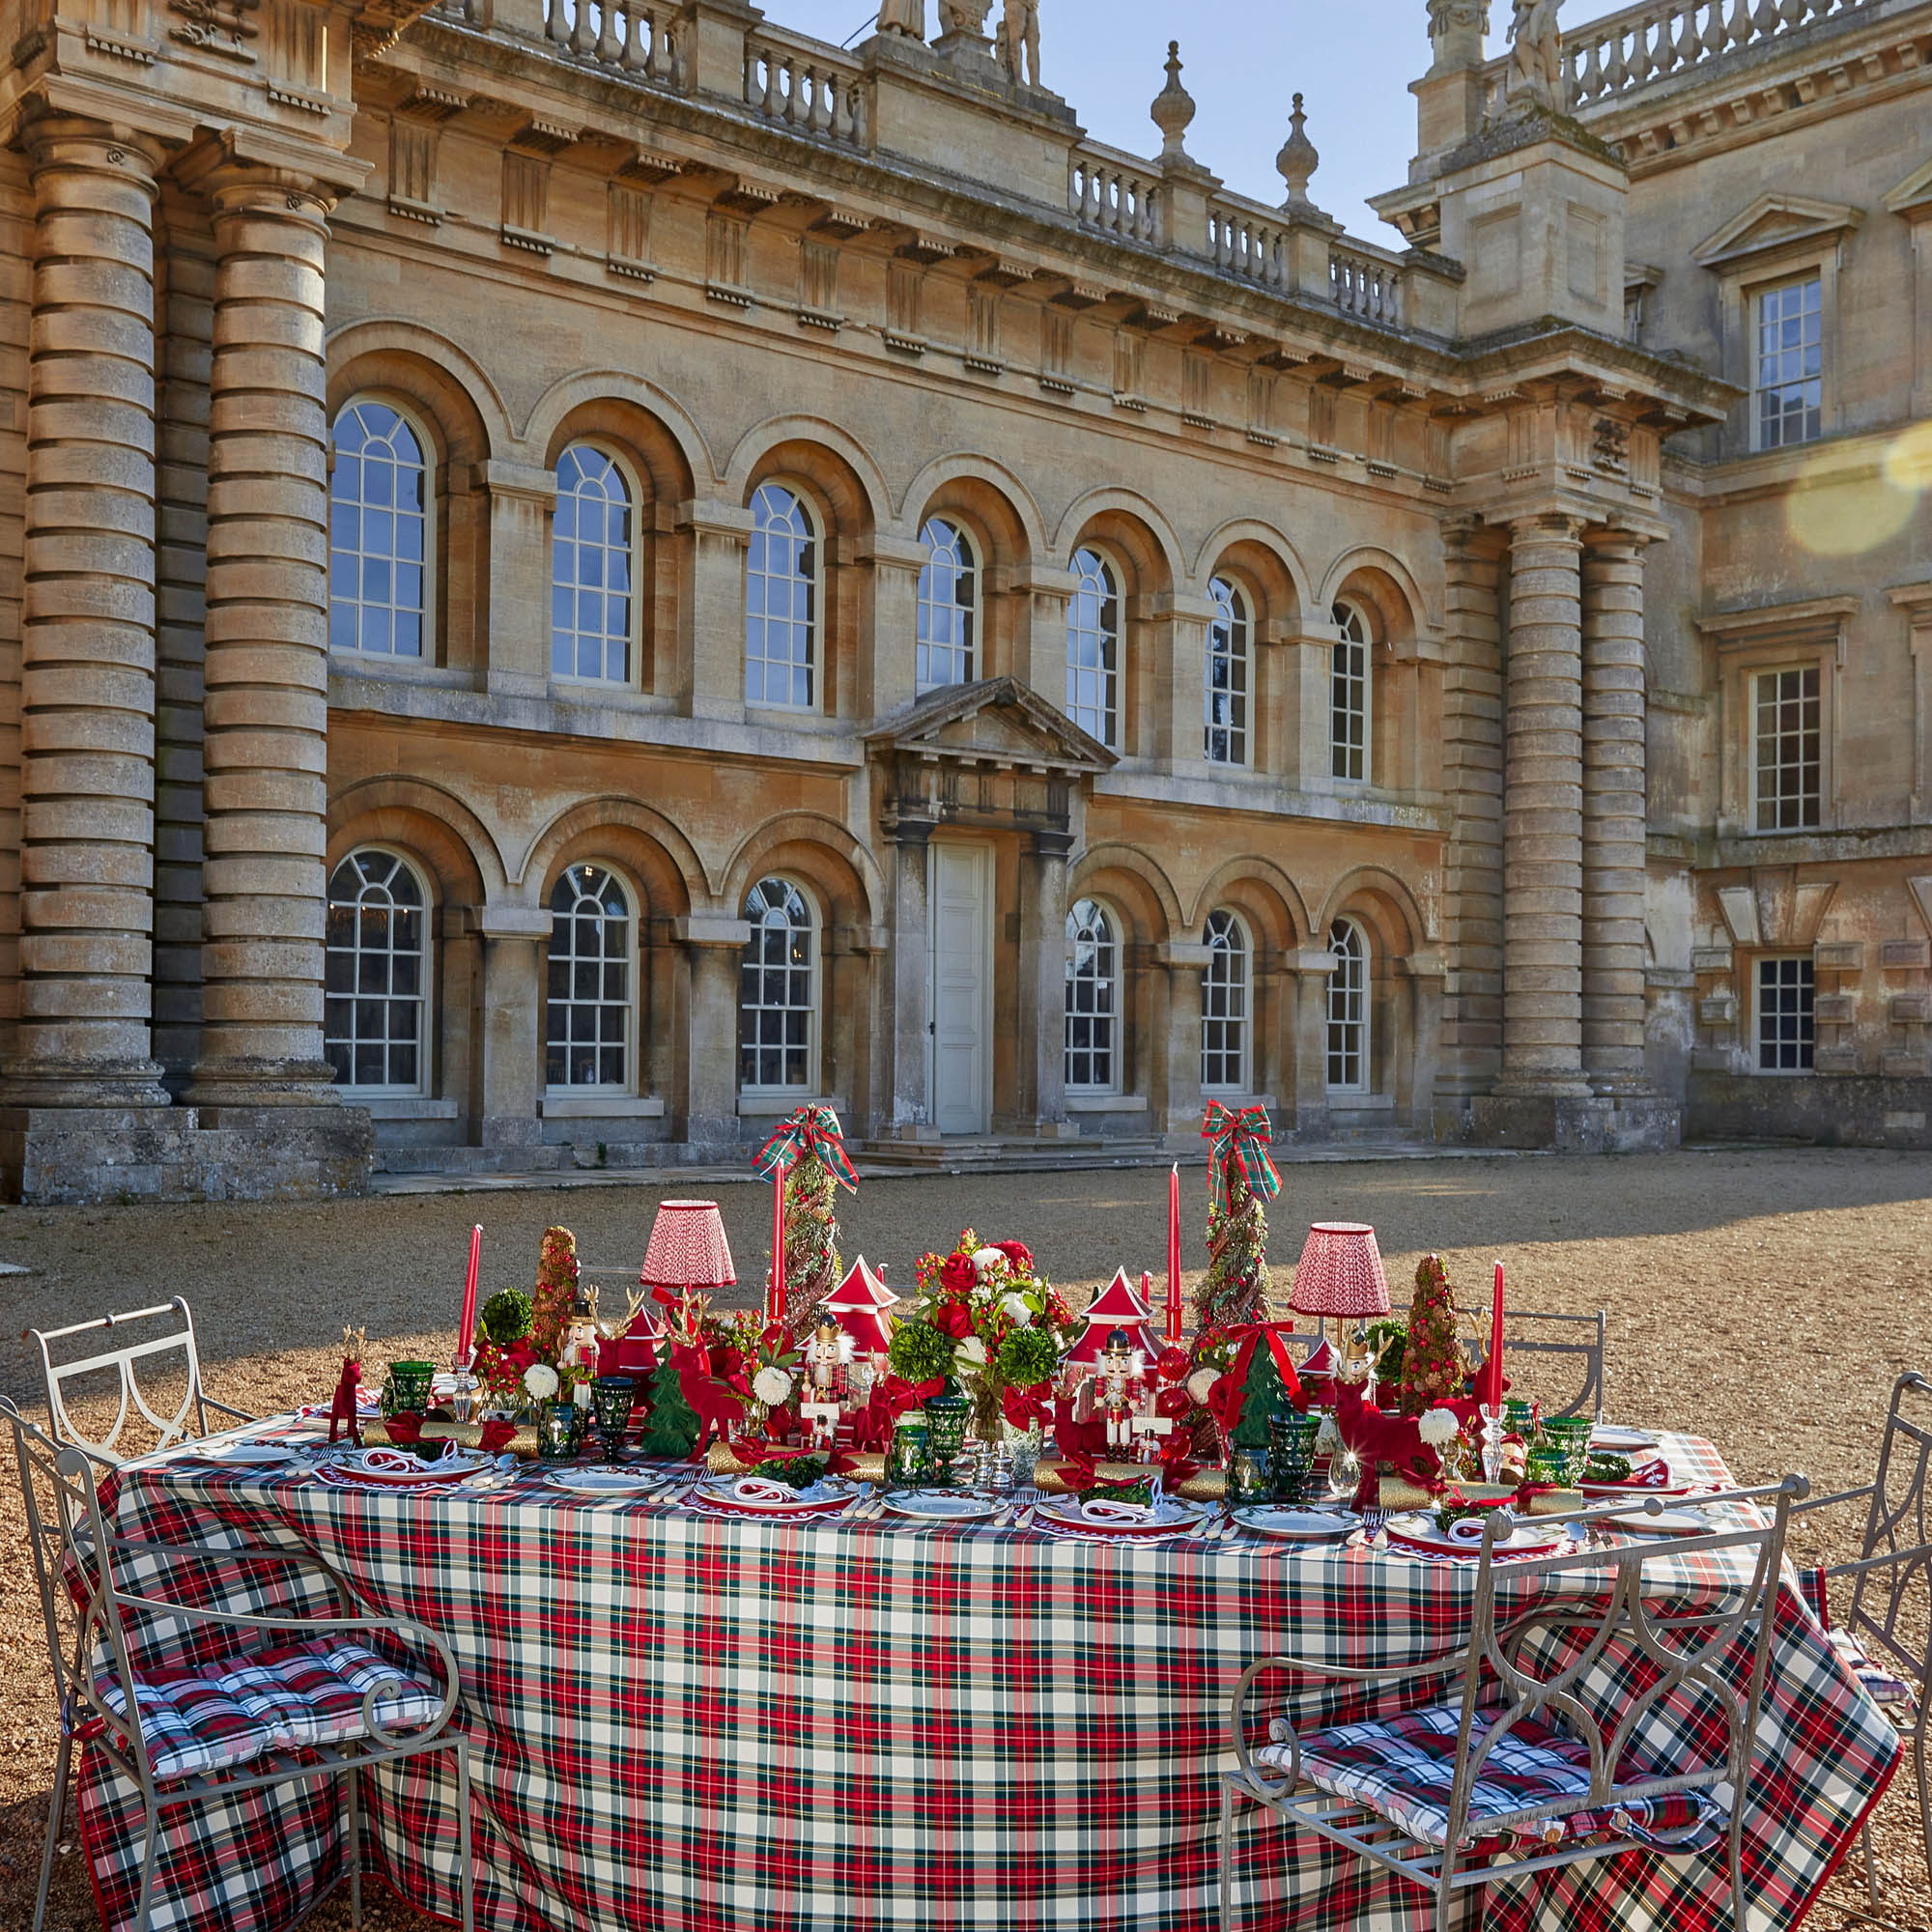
{"points": [[354, 1829], [1919, 1744], [56, 1807], [463, 1857], [1227, 1857], [1445, 1891], [1734, 1849], [151, 1827]]}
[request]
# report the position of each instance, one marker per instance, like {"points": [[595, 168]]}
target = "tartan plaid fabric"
{"points": [[1884, 1688], [1403, 1768], [192, 1727], [311, 1694], [680, 1722]]}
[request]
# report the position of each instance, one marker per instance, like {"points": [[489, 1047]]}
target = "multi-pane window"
{"points": [[948, 607], [1786, 737], [1225, 989], [777, 995], [1348, 1008], [1094, 647], [373, 975], [1227, 733], [591, 568], [588, 1031], [1785, 1015], [1789, 385], [782, 601], [378, 532], [1092, 1000], [1349, 696]]}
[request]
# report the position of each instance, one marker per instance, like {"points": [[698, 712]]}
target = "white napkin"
{"points": [[388, 1461], [1468, 1529], [762, 1492], [1112, 1509]]}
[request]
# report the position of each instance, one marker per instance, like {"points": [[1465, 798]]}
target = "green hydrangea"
{"points": [[1027, 1357], [919, 1352]]}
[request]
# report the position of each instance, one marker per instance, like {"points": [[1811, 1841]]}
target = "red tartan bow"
{"points": [[1079, 1443], [1240, 1140], [402, 1429], [810, 1130], [1224, 1399], [1024, 1407]]}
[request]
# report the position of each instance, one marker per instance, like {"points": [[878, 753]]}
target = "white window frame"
{"points": [[1225, 919], [1754, 698], [1755, 298], [632, 975], [1234, 615], [1758, 1014], [815, 621], [426, 609], [1349, 1006], [814, 994], [1110, 675], [424, 997], [634, 625], [1358, 638], [1112, 1017], [966, 546]]}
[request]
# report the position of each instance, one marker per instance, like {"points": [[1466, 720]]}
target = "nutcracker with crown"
{"points": [[1121, 1389]]}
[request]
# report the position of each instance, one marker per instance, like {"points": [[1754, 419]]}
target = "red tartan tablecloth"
{"points": [[686, 1723]]}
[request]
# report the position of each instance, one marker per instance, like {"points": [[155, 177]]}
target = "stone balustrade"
{"points": [[1249, 241], [1366, 284], [624, 34], [807, 87], [1115, 194], [1609, 58]]}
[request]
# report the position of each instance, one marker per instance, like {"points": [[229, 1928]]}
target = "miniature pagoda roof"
{"points": [[861, 1289]]}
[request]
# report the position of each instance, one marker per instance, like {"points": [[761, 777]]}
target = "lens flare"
{"points": [[1837, 511]]}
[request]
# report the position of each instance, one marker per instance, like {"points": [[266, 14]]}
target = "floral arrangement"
{"points": [[988, 1316], [513, 1369]]}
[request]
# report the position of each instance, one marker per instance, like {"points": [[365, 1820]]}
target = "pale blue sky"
{"points": [[1353, 59]]}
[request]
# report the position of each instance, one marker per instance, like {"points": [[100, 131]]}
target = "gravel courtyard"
{"points": [[1763, 1299]]}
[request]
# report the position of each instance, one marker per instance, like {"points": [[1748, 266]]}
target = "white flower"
{"points": [[1018, 1310], [1200, 1382], [988, 1262], [1439, 1428], [772, 1386], [540, 1382], [972, 1352]]}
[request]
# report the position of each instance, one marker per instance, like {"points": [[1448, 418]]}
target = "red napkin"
{"points": [[498, 1436], [405, 1429], [1652, 1475]]}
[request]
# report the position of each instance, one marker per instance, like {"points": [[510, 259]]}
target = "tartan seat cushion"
{"points": [[293, 1697], [1401, 1768], [1890, 1692]]}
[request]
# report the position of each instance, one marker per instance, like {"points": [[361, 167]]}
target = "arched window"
{"points": [[1348, 695], [1227, 741], [1347, 1010], [378, 532], [1094, 647], [778, 992], [948, 607], [587, 1025], [591, 568], [1092, 1000], [782, 601], [1224, 1007], [375, 973]]}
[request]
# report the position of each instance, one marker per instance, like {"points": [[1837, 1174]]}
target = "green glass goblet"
{"points": [[611, 1399]]}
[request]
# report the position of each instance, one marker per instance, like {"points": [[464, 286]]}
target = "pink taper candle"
{"points": [[1174, 1255], [466, 1332], [1493, 1369], [775, 1302]]}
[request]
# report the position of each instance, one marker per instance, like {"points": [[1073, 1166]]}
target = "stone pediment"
{"points": [[998, 722], [1912, 196], [1776, 222]]}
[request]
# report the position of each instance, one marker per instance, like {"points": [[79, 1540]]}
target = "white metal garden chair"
{"points": [[71, 1378], [1881, 1626], [1570, 1783], [1530, 1332], [319, 1701]]}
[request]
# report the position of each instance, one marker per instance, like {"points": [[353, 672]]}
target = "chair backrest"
{"points": [[70, 1545], [1544, 1662], [1891, 1606], [78, 1380], [1530, 1332]]}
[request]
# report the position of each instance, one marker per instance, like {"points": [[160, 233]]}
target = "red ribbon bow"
{"points": [[810, 1130], [1026, 1407]]}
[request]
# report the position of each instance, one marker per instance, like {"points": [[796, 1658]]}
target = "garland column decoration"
{"points": [[555, 1289], [811, 1141], [1241, 1175]]}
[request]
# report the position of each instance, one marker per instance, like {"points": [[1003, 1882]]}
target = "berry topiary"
{"points": [[506, 1317]]}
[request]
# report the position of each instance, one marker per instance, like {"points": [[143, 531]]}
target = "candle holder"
{"points": [[1290, 1466], [910, 1457], [560, 1431], [611, 1399], [1492, 1445], [1570, 1437]]}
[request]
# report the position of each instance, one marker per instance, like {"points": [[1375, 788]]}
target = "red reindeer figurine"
{"points": [[717, 1404], [342, 1404], [1411, 1444]]}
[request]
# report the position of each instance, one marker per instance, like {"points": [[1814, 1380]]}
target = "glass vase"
{"points": [[1023, 1451]]}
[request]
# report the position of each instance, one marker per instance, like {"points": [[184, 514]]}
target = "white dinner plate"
{"points": [[1666, 1522], [239, 1452], [827, 1493], [1069, 1512], [936, 1506], [605, 1481], [1527, 1539], [372, 1466], [1620, 1441], [1300, 1525]]}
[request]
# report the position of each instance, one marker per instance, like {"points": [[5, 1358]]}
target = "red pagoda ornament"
{"points": [[859, 1305], [1118, 1306]]}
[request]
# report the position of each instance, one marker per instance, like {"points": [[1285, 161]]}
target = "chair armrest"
{"points": [[1858, 1494], [1888, 1560], [228, 1409]]}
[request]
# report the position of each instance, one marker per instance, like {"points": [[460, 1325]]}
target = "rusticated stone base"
{"points": [[1863, 1110], [75, 1155], [1586, 1123]]}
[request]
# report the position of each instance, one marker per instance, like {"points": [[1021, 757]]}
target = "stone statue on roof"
{"points": [[1536, 77], [1019, 32], [903, 17]]}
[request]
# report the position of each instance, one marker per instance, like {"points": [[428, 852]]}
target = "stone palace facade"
{"points": [[575, 573]]}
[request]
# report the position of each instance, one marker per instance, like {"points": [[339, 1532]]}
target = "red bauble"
{"points": [[1174, 1365], [1173, 1403]]}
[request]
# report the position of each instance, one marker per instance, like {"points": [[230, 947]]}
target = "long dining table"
{"points": [[685, 1722]]}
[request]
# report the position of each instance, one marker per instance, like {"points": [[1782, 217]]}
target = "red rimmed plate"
{"points": [[385, 1468], [1067, 1516], [1529, 1538], [1636, 1489], [826, 1497]]}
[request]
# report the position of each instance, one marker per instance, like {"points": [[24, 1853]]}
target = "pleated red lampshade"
{"points": [[1340, 1271], [688, 1249]]}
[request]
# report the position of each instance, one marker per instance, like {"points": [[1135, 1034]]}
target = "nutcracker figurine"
{"points": [[1123, 1390], [828, 1382], [581, 1342]]}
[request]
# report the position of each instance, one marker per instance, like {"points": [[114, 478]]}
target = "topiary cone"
{"points": [[556, 1290]]}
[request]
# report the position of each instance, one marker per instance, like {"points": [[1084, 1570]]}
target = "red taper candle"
{"points": [[1174, 1255], [466, 1331], [1493, 1369], [775, 1301]]}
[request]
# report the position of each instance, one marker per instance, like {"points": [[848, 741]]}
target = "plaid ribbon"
{"points": [[810, 1130], [1240, 1139]]}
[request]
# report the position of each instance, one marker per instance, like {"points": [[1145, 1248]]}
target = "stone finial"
{"points": [[1296, 163], [1173, 109], [1456, 32]]}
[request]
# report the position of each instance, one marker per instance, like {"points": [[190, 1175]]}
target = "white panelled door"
{"points": [[961, 899]]}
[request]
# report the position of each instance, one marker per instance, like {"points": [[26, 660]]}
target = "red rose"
{"points": [[958, 1276], [954, 1319], [1019, 1254]]}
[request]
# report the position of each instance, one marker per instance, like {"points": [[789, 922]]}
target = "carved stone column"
{"points": [[1041, 1059], [1615, 816], [512, 1072], [1313, 966], [1543, 815], [267, 708], [1175, 1086], [87, 679]]}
